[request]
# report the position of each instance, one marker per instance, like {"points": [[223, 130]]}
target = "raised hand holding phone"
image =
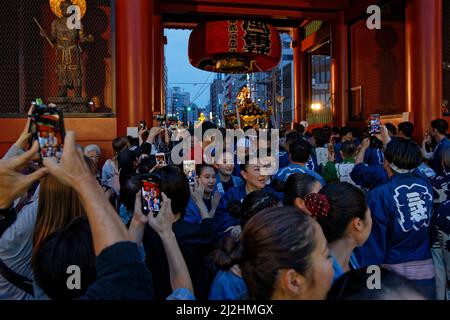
{"points": [[162, 223], [25, 135], [151, 194], [375, 124], [47, 127]]}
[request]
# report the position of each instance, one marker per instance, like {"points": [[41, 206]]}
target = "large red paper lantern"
{"points": [[235, 46]]}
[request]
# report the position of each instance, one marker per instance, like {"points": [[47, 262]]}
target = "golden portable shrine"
{"points": [[246, 113]]}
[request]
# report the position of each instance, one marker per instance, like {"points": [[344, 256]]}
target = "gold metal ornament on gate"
{"points": [[56, 6]]}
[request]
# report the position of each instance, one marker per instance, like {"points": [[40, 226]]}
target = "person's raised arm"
{"points": [[362, 151], [14, 184], [197, 195], [162, 224], [138, 222], [107, 228]]}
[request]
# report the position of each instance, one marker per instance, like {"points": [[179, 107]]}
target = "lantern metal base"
{"points": [[234, 65]]}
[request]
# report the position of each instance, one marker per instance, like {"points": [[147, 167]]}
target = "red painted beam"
{"points": [[248, 12], [271, 4], [359, 9]]}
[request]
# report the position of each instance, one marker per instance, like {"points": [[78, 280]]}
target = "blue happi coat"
{"points": [[401, 213], [223, 219], [441, 188], [436, 162], [283, 174]]}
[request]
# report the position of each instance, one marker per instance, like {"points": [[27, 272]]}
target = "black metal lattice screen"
{"points": [[28, 62], [446, 53]]}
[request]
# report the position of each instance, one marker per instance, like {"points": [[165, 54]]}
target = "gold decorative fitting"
{"points": [[56, 6], [234, 65]]}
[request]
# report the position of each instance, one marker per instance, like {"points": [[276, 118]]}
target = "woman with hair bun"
{"points": [[228, 284], [285, 256], [342, 212]]}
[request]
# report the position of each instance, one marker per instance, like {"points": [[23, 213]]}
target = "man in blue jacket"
{"points": [[439, 132], [299, 154], [401, 209]]}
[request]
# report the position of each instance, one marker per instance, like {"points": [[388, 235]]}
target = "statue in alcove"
{"points": [[66, 37]]}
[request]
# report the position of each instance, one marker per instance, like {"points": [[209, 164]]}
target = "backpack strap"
{"points": [[19, 281], [7, 218]]}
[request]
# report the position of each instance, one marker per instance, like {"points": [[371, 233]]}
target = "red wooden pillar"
{"points": [[300, 77], [424, 62], [158, 65], [339, 70], [134, 50]]}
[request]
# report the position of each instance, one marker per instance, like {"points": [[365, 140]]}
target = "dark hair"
{"points": [[440, 125], [253, 203], [133, 141], [298, 185], [391, 128], [300, 151], [407, 128], [291, 137], [146, 148], [200, 167], [299, 128], [228, 253], [348, 149], [206, 125], [274, 239], [404, 153], [321, 136], [353, 286], [61, 249], [128, 191], [346, 203], [335, 130], [345, 130], [146, 164], [176, 187], [119, 144], [125, 159]]}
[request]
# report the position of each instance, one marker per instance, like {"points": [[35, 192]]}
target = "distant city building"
{"points": [[180, 100], [216, 98]]}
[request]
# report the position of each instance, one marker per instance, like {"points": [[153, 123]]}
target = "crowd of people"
{"points": [[341, 202]]}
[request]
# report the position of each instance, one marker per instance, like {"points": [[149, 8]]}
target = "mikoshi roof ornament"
{"points": [[247, 113], [56, 6], [235, 46]]}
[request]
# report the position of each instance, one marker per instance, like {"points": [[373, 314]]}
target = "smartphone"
{"points": [[161, 159], [189, 171], [375, 124], [151, 194], [47, 127]]}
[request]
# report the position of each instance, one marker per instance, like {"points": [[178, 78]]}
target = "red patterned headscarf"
{"points": [[318, 205]]}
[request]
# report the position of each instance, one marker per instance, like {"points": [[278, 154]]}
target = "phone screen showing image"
{"points": [[375, 124], [189, 171], [48, 129], [160, 159], [151, 195]]}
